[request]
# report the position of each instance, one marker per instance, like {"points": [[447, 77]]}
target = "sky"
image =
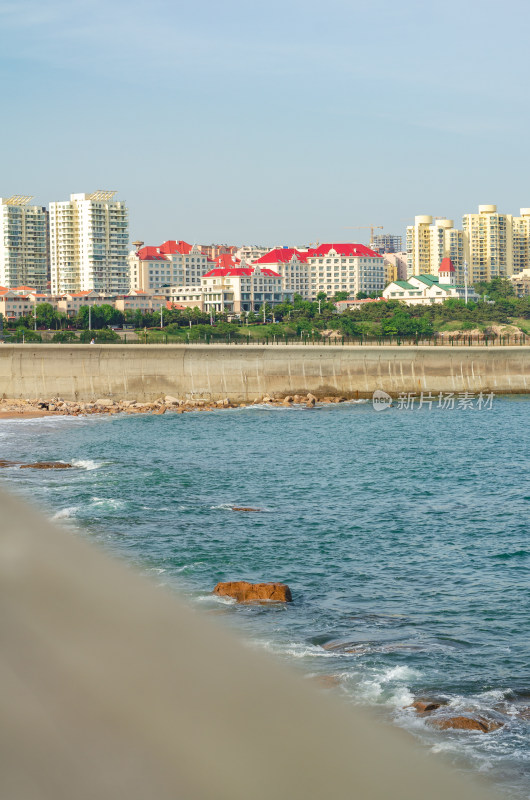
{"points": [[285, 122]]}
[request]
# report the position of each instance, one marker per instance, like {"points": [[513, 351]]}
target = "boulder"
{"points": [[244, 592], [311, 398], [46, 465], [287, 400], [169, 400], [51, 407], [424, 705], [297, 399], [461, 723], [244, 508], [104, 401]]}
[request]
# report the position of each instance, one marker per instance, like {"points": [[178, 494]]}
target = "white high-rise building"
{"points": [[89, 237], [488, 238], [429, 241], [23, 243], [521, 241]]}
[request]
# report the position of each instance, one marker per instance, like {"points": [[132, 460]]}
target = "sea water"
{"points": [[402, 533]]}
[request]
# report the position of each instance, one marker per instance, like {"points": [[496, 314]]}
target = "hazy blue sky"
{"points": [[279, 122]]}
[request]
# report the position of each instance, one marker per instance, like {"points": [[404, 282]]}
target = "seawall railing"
{"points": [[328, 341]]}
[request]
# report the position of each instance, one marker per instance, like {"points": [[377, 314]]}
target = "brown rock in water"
{"points": [[4, 463], [46, 465], [243, 591], [243, 508], [424, 705], [461, 723]]}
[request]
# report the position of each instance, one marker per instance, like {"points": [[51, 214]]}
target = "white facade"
{"points": [[427, 290], [292, 265], [488, 247], [88, 244], [23, 243], [172, 263], [521, 241], [345, 267], [251, 252]]}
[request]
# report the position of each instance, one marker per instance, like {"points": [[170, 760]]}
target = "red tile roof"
{"points": [[281, 254], [446, 265], [171, 246], [238, 272], [226, 261], [343, 249], [150, 254]]}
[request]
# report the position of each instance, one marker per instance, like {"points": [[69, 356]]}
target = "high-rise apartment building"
{"points": [[493, 245], [387, 243], [89, 244], [521, 241], [488, 244], [23, 243], [429, 241]]}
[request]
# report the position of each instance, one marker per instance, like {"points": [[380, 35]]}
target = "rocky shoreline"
{"points": [[14, 408]]}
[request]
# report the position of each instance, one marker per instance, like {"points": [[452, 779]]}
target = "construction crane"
{"points": [[362, 227]]}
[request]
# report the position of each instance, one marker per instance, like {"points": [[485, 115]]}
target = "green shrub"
{"points": [[102, 336], [61, 337]]}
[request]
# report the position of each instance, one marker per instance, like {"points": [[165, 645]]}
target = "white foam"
{"points": [[110, 502], [66, 513], [295, 649], [399, 673], [216, 598], [86, 464]]}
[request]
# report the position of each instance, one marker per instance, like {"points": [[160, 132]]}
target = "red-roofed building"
{"points": [[227, 260], [173, 263], [292, 265], [236, 289], [345, 267], [446, 271]]}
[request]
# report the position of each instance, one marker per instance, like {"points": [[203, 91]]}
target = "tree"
{"points": [[338, 296], [46, 315]]}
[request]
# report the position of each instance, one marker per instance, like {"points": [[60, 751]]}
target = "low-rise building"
{"points": [[349, 305], [237, 289], [140, 301], [345, 267], [251, 252], [521, 283], [14, 305], [428, 289], [170, 264], [70, 304], [292, 265]]}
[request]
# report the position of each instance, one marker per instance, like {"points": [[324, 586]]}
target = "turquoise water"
{"points": [[403, 536]]}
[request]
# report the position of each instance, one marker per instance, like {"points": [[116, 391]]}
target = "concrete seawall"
{"points": [[244, 372]]}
